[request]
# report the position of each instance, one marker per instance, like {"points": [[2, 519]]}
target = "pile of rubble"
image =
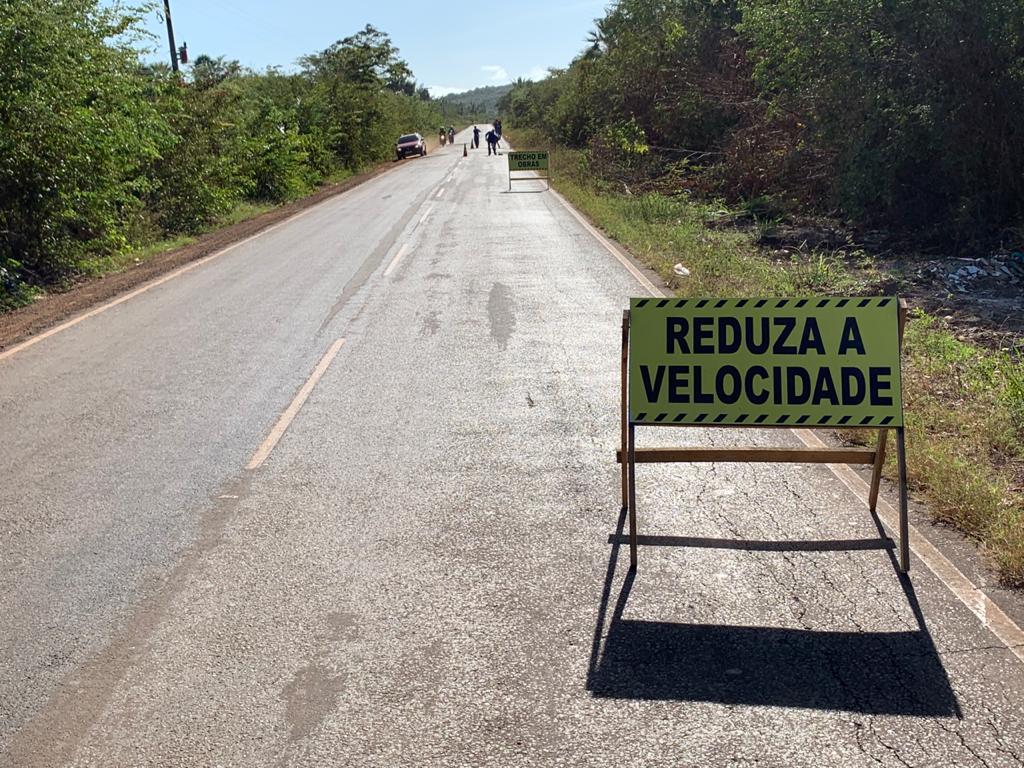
{"points": [[965, 275]]}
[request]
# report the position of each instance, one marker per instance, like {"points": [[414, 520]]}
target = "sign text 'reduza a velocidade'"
{"points": [[779, 384]]}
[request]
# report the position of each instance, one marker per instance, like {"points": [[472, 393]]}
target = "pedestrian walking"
{"points": [[492, 143], [476, 137]]}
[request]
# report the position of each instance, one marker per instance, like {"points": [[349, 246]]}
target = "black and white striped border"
{"points": [[748, 419], [769, 303]]}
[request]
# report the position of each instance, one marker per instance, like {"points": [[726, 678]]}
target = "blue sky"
{"points": [[450, 46]]}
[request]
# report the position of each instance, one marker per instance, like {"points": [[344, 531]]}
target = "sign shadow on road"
{"points": [[890, 673]]}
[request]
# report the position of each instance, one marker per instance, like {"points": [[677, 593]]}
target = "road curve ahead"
{"points": [[346, 495]]}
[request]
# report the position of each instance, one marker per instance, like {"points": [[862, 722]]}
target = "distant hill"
{"points": [[479, 101]]}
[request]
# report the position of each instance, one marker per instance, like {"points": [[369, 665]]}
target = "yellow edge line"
{"points": [[981, 605], [398, 258], [10, 352], [621, 257], [293, 409]]}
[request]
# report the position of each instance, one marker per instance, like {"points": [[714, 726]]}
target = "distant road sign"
{"points": [[765, 362]]}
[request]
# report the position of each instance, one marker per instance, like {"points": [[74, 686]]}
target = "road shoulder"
{"points": [[49, 310]]}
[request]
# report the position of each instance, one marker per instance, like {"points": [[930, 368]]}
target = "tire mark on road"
{"points": [[369, 266], [52, 735]]}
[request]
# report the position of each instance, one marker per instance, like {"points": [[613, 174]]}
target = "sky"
{"points": [[451, 46]]}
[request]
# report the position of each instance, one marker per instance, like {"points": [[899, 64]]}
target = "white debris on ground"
{"points": [[963, 274]]}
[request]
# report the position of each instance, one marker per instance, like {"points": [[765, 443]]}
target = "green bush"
{"points": [[99, 154], [903, 114], [278, 166], [76, 132]]}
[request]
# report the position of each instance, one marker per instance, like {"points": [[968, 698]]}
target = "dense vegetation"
{"points": [[99, 152], [896, 114], [479, 103]]}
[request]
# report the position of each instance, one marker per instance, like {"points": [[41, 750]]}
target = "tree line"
{"points": [[906, 115], [100, 151]]}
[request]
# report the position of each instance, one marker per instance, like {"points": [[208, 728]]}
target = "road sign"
{"points": [[534, 162], [527, 161], [819, 362], [755, 362]]}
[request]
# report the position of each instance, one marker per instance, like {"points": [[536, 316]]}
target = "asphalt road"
{"points": [[425, 570]]}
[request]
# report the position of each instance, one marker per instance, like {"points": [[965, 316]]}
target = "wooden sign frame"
{"points": [[629, 455], [546, 178]]}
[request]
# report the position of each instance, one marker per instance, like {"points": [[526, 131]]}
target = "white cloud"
{"points": [[496, 73], [437, 91], [537, 73]]}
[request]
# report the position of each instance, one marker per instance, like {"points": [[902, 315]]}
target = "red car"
{"points": [[410, 144]]}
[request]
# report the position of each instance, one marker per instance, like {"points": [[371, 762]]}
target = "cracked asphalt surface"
{"points": [[429, 568]]}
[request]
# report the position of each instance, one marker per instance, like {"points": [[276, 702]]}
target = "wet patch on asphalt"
{"points": [[310, 697], [501, 313], [431, 323], [343, 626]]}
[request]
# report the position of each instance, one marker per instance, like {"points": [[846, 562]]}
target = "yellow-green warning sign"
{"points": [[527, 161], [750, 362]]}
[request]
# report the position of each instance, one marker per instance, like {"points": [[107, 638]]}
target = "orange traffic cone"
{"points": [[464, 152]]}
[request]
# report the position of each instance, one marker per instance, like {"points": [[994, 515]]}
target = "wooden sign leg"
{"points": [[624, 404], [876, 473], [631, 451], [901, 457]]}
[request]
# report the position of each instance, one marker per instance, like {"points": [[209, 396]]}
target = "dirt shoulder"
{"points": [[53, 308]]}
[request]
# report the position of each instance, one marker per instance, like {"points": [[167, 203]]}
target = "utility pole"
{"points": [[170, 35]]}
